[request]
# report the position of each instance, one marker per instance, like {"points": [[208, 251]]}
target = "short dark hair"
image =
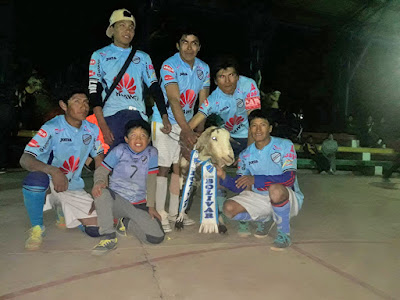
{"points": [[66, 91], [224, 62], [132, 124], [266, 114], [185, 30]]}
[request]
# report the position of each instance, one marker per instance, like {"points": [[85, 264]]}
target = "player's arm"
{"points": [[265, 181], [155, 90], [203, 94], [197, 119], [30, 163]]}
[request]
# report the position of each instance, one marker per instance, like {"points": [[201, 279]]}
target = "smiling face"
{"points": [[137, 139], [260, 131], [123, 33], [227, 79], [188, 47]]}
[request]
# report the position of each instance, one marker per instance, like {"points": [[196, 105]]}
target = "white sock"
{"points": [[161, 193], [173, 204]]}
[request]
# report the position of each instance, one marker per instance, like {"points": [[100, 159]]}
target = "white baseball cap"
{"points": [[119, 15]]}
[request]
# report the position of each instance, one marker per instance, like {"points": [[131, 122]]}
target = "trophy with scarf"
{"points": [[209, 209]]}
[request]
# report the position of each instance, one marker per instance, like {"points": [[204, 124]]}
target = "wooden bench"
{"points": [[342, 138]]}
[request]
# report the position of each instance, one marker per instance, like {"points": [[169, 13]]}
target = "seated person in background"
{"points": [[266, 180], [311, 151], [55, 158], [329, 148], [130, 194]]}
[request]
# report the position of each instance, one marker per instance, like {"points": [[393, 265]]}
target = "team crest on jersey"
{"points": [[86, 138], [200, 74], [144, 159], [239, 103], [188, 98], [126, 83], [276, 157], [136, 60]]}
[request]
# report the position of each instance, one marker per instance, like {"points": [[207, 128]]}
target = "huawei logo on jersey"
{"points": [[235, 120], [70, 166], [188, 98], [127, 83]]}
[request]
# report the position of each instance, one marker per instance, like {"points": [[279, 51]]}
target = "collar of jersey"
{"points": [[266, 147], [70, 126], [121, 49], [196, 61]]}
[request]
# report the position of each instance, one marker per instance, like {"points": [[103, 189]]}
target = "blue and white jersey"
{"points": [[105, 65], [233, 109], [66, 147], [277, 157], [130, 170], [190, 82]]}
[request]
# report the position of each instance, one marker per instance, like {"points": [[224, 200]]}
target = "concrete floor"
{"points": [[346, 246]]}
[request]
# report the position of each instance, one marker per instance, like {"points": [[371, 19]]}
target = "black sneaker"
{"points": [[263, 229], [105, 246]]}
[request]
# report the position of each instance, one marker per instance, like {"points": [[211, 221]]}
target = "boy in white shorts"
{"points": [[184, 78], [266, 180], [55, 157]]}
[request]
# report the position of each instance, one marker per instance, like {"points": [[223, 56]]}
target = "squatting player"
{"points": [[184, 78], [126, 100], [268, 168], [55, 157]]}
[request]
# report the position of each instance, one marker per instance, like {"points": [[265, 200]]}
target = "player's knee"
{"points": [[278, 193], [229, 208], [37, 179], [154, 239]]}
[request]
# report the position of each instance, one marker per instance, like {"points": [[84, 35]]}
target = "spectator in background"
{"points": [[311, 151], [329, 148], [350, 125]]}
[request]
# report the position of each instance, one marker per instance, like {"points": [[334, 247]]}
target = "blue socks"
{"points": [[34, 190], [282, 215]]}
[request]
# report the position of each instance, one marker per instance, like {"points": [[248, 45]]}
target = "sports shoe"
{"points": [[186, 220], [105, 246], [282, 240], [35, 238], [164, 221], [262, 229], [243, 229], [120, 228], [60, 219]]}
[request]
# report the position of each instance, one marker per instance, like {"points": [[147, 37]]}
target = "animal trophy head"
{"points": [[215, 143]]}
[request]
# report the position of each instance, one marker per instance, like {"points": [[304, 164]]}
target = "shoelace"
{"points": [[282, 238], [105, 242], [260, 226], [122, 227], [36, 233]]}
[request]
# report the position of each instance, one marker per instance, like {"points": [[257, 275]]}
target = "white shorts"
{"points": [[259, 206], [75, 205], [166, 144]]}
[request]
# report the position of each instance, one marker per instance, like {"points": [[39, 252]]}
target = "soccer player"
{"points": [[126, 100], [55, 157], [130, 193], [184, 78], [266, 180]]}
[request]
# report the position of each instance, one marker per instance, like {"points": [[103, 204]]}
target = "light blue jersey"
{"points": [[66, 147], [130, 170], [276, 158], [233, 109], [105, 65], [190, 82]]}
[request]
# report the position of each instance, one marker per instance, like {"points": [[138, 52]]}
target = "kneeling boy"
{"points": [[130, 194], [266, 180]]}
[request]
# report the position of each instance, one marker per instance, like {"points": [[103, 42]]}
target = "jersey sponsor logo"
{"points": [[252, 87], [136, 60], [200, 74], [292, 149], [92, 62], [70, 165], [239, 103], [290, 155], [45, 145], [288, 163], [276, 148], [42, 133], [252, 94], [253, 103], [102, 54], [126, 83], [276, 157], [188, 98], [86, 138], [168, 68], [92, 73], [253, 162], [57, 131], [62, 140], [151, 67], [33, 143], [183, 74], [232, 122], [168, 77], [206, 103], [111, 58], [224, 108]]}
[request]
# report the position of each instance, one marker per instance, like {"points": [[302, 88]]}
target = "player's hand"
{"points": [[220, 172], [188, 137], [60, 181], [167, 125], [107, 134], [154, 214], [97, 188], [245, 181]]}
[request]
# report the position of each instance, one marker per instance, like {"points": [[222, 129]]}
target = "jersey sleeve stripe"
{"points": [[104, 164]]}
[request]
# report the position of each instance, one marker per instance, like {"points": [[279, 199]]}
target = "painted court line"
{"points": [[314, 258]]}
